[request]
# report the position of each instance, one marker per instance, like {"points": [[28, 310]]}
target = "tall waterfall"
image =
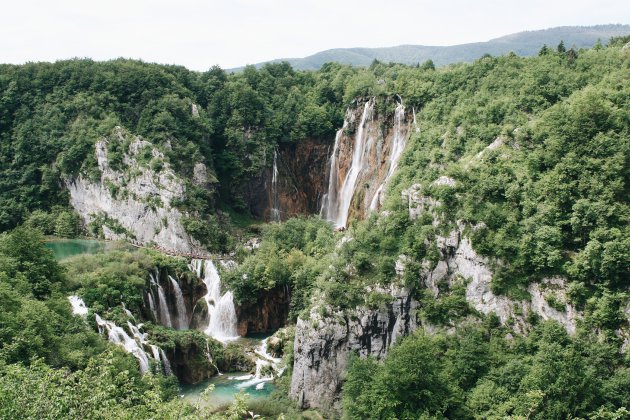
{"points": [[182, 315], [275, 200], [338, 201], [221, 311], [329, 202], [165, 316], [396, 149]]}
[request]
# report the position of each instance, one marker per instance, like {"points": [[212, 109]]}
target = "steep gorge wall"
{"points": [[324, 341], [134, 201], [300, 184]]}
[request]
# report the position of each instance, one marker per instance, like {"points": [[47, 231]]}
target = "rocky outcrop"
{"points": [[267, 314], [324, 342], [190, 363], [134, 199], [459, 260]]}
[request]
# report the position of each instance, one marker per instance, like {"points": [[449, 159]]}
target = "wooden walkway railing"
{"points": [[174, 253]]}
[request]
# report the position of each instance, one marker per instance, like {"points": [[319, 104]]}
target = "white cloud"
{"points": [[198, 34]]}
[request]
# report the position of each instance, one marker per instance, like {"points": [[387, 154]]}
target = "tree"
{"points": [[561, 49]]}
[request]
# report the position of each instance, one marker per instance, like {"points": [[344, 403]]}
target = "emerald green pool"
{"points": [[65, 248], [226, 386]]}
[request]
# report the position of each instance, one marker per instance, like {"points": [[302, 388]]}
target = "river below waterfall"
{"points": [[229, 384]]}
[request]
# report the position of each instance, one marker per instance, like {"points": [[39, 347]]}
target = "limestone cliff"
{"points": [[135, 198], [324, 341]]}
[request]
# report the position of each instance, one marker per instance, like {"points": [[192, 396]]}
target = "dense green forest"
{"points": [[549, 200]]}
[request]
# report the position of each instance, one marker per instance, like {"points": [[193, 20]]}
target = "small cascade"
{"points": [[182, 316], [221, 311], [127, 311], [338, 200], [210, 360], [165, 362], [160, 357], [415, 123], [134, 344], [396, 149], [267, 368], [78, 305], [275, 200], [119, 336]]}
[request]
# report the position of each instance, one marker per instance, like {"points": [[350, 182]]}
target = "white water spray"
{"points": [[182, 315], [397, 146], [275, 204], [221, 311], [338, 201]]}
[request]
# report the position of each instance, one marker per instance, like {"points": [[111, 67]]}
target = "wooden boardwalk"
{"points": [[174, 253]]}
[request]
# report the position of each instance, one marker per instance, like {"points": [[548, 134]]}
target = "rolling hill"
{"points": [[522, 43]]}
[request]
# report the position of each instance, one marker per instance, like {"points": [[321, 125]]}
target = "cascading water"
{"points": [[338, 201], [78, 305], [275, 200], [396, 149], [182, 315], [221, 311], [119, 336], [165, 362], [165, 316], [329, 202], [152, 305], [264, 360]]}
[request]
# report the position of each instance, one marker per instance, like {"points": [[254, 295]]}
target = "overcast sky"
{"points": [[199, 34]]}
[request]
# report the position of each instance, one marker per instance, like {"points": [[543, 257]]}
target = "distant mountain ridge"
{"points": [[522, 43]]}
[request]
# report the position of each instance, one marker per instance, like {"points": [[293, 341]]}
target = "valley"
{"points": [[391, 241]]}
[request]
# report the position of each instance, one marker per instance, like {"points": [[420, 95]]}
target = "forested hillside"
{"points": [[525, 159]]}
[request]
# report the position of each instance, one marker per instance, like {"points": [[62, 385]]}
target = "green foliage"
{"points": [[476, 373], [290, 257]]}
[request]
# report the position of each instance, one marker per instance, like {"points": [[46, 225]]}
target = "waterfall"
{"points": [[167, 365], [221, 310], [119, 336], [164, 315], [275, 201], [349, 183], [78, 306], [396, 149], [338, 201], [152, 304], [160, 357], [329, 201], [210, 360], [182, 315]]}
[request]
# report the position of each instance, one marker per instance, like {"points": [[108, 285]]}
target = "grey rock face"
{"points": [[323, 344], [137, 197]]}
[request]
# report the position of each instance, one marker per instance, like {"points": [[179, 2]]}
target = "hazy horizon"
{"points": [[198, 34]]}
